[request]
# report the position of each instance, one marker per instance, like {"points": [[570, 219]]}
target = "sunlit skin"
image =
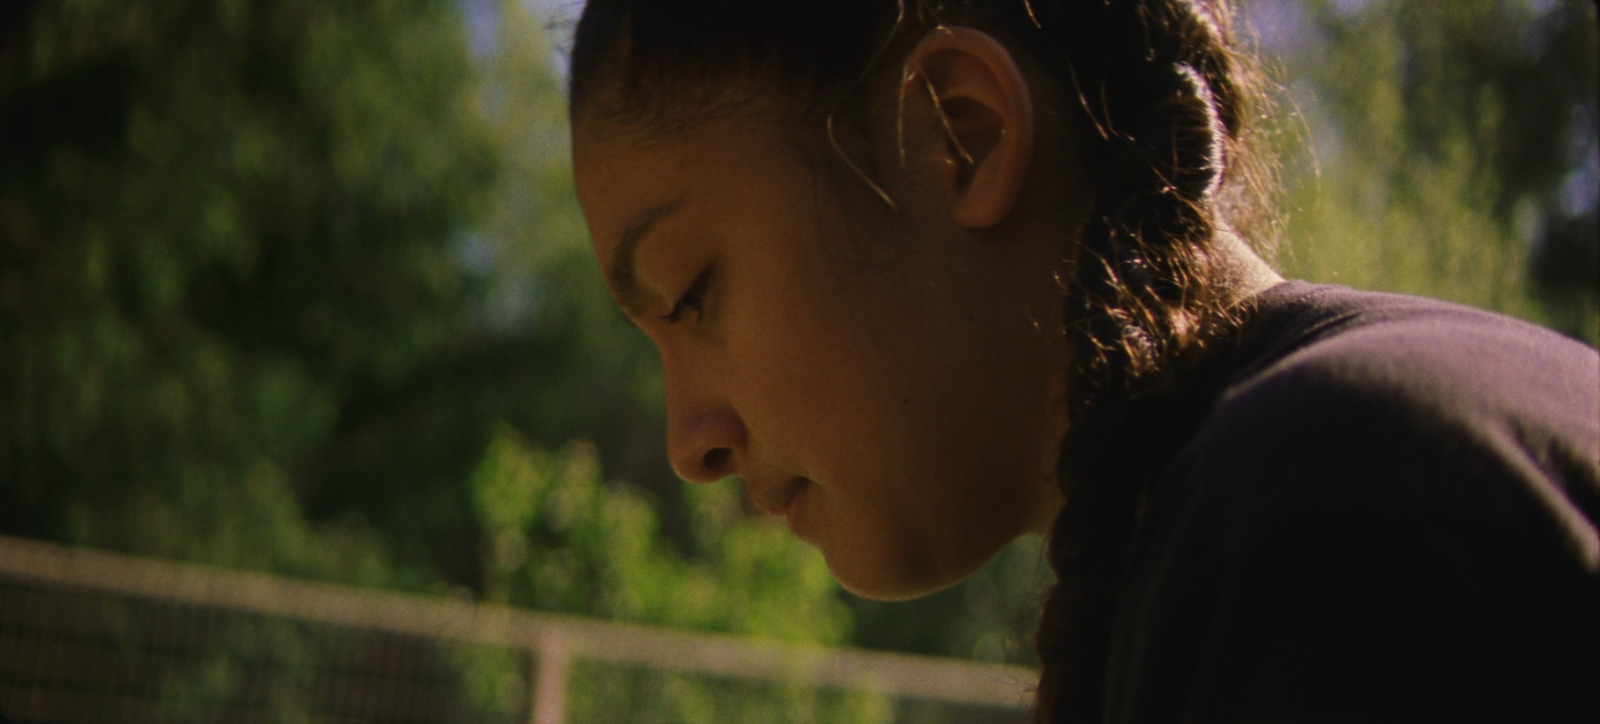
{"points": [[890, 382]]}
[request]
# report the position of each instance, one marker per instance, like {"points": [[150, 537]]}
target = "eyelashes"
{"points": [[692, 301]]}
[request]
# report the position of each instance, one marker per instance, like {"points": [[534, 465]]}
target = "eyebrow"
{"points": [[620, 275]]}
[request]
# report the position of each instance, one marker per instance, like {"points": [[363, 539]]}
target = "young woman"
{"points": [[932, 275]]}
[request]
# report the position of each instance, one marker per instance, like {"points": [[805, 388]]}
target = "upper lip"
{"points": [[775, 499]]}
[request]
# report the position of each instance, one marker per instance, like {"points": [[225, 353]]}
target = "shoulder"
{"points": [[1392, 486], [1318, 340], [1414, 421], [1407, 391]]}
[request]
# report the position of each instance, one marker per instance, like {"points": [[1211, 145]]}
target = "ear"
{"points": [[985, 108]]}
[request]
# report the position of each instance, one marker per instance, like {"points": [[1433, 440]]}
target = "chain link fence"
{"points": [[88, 636]]}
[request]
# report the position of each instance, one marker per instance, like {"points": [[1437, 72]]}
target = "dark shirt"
{"points": [[1375, 508]]}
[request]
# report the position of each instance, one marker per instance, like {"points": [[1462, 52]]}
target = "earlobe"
{"points": [[985, 109]]}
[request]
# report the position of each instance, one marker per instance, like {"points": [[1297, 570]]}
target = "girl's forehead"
{"points": [[621, 172]]}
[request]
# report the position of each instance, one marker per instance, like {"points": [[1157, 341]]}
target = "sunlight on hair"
{"points": [[879, 190]]}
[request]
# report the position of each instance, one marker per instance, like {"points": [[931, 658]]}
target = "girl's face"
{"points": [[901, 413]]}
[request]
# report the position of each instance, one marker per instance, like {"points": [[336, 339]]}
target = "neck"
{"points": [[1248, 274]]}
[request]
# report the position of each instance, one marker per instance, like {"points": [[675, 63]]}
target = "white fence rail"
{"points": [[555, 642]]}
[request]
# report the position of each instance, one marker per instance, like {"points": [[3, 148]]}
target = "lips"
{"points": [[776, 500]]}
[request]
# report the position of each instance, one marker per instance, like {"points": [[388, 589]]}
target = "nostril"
{"points": [[716, 460]]}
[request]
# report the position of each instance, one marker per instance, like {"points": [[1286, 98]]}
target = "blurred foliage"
{"points": [[243, 273], [562, 540], [1454, 151], [225, 228]]}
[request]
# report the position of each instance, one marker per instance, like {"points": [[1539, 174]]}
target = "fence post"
{"points": [[549, 687]]}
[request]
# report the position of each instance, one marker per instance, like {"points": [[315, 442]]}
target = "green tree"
{"points": [[223, 225], [562, 540], [270, 271], [1454, 151]]}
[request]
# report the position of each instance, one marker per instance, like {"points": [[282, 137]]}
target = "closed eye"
{"points": [[693, 299]]}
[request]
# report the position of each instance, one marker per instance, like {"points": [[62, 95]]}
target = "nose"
{"points": [[704, 445], [705, 436]]}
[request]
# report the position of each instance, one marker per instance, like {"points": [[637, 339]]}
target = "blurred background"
{"points": [[301, 287]]}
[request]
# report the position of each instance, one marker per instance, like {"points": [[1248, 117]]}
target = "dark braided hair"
{"points": [[1163, 132]]}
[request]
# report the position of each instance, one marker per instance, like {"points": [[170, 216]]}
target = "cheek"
{"points": [[816, 344], [852, 356]]}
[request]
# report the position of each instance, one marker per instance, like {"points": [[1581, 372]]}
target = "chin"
{"points": [[891, 585]]}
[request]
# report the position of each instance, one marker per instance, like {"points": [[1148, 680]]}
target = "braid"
{"points": [[1158, 96], [1159, 131]]}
